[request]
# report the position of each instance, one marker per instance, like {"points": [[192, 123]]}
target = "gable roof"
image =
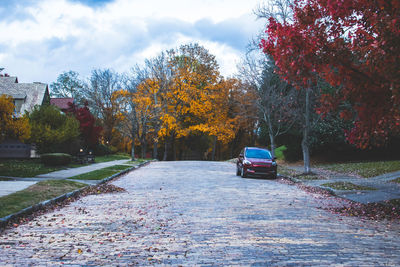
{"points": [[62, 102], [8, 79], [32, 93]]}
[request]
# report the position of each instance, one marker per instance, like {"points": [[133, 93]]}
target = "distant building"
{"points": [[63, 103], [25, 95]]}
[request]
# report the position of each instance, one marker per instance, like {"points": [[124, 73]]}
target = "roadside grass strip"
{"points": [[284, 171], [101, 174], [310, 176], [364, 169], [347, 186], [137, 161], [35, 194]]}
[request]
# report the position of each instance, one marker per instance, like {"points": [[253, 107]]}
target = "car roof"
{"points": [[259, 148]]}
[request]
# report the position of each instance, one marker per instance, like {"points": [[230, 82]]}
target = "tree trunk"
{"points": [[133, 150], [272, 140], [214, 148], [165, 149], [306, 133], [267, 119], [173, 147], [155, 150], [144, 147], [133, 142]]}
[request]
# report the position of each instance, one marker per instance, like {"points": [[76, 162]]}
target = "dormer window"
{"points": [[19, 100]]}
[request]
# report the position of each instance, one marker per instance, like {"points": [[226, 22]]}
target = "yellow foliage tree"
{"points": [[196, 100], [182, 97], [10, 126]]}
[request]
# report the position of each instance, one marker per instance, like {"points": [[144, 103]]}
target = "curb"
{"points": [[29, 210]]}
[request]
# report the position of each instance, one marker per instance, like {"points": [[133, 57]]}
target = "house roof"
{"points": [[61, 103], [8, 79], [32, 93]]}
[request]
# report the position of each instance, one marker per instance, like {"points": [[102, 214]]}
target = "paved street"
{"points": [[200, 213]]}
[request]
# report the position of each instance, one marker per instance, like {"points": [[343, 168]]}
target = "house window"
{"points": [[17, 106]]}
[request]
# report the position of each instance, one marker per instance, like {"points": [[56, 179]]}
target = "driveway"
{"points": [[200, 213]]}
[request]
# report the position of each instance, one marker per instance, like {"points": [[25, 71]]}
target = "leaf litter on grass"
{"points": [[386, 210], [90, 190]]}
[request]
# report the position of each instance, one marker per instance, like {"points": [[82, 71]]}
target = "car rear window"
{"points": [[258, 154]]}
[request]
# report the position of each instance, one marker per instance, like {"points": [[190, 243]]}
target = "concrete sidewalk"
{"points": [[17, 183], [384, 189], [64, 174], [9, 187]]}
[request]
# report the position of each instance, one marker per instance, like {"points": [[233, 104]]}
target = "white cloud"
{"points": [[56, 36]]}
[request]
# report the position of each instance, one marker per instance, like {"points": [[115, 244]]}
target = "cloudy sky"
{"points": [[39, 39]]}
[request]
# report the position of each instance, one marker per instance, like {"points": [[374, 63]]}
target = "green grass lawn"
{"points": [[35, 194], [33, 167], [100, 174], [364, 169], [25, 167], [347, 186], [112, 157]]}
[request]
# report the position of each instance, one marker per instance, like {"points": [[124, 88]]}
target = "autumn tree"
{"points": [[223, 122], [241, 99], [10, 126], [194, 77], [352, 45], [90, 132], [145, 110], [160, 72], [104, 100], [305, 78], [142, 100], [128, 108]]}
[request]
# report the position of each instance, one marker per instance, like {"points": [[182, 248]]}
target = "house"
{"points": [[63, 103], [25, 95]]}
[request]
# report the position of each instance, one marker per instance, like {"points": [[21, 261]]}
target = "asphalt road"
{"points": [[200, 213]]}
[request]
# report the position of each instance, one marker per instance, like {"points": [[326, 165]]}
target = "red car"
{"points": [[256, 161]]}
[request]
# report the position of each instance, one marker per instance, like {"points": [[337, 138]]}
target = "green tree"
{"points": [[53, 131], [68, 84]]}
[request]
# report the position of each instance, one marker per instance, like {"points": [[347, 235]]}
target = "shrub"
{"points": [[279, 152], [293, 153], [292, 142], [55, 159]]}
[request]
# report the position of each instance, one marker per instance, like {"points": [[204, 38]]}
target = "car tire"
{"points": [[243, 174]]}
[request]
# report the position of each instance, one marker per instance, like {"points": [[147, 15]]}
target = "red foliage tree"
{"points": [[355, 46], [90, 132]]}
